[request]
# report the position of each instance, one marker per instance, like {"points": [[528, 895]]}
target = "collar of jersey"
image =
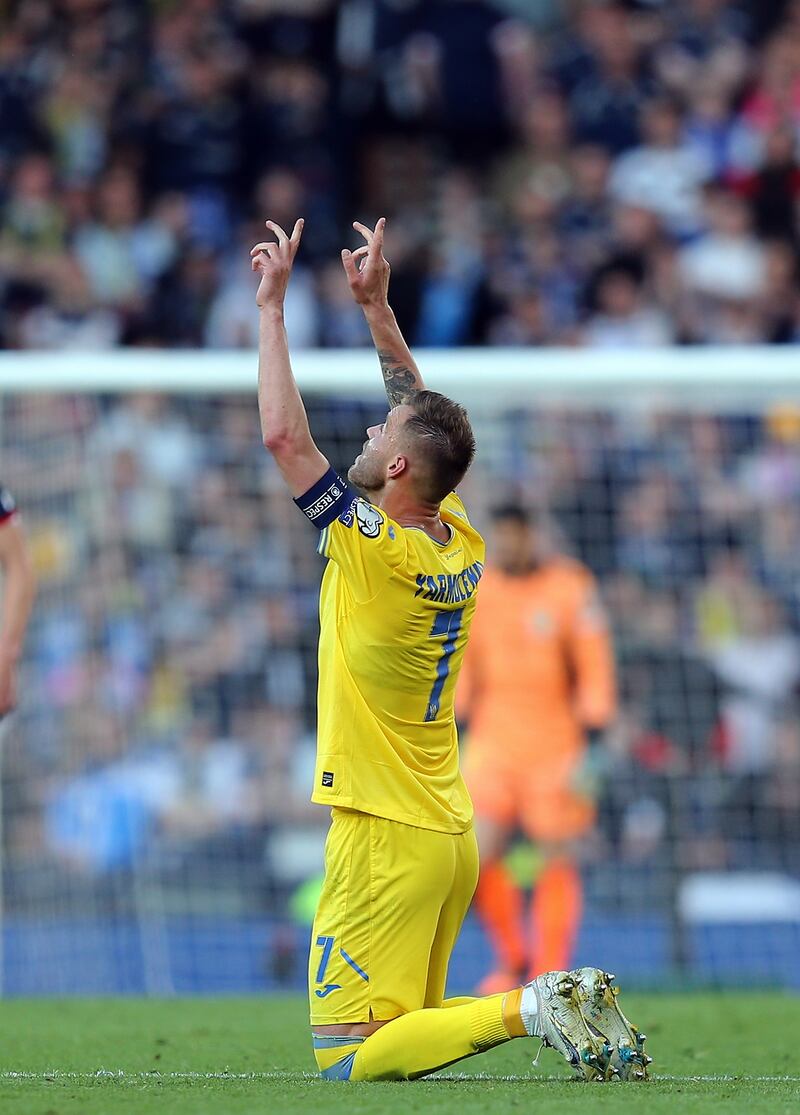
{"points": [[436, 541]]}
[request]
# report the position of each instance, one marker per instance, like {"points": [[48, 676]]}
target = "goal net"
{"points": [[156, 830]]}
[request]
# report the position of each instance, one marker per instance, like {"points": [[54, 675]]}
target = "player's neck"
{"points": [[413, 513]]}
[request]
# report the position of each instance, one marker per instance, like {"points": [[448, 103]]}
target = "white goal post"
{"points": [[696, 376]]}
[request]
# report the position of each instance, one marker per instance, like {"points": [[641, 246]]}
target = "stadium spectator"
{"points": [[623, 319], [727, 261], [760, 671], [663, 174]]}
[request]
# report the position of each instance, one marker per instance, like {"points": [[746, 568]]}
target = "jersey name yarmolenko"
{"points": [[449, 588]]}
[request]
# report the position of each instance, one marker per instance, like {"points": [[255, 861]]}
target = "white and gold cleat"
{"points": [[551, 1010], [606, 1022]]}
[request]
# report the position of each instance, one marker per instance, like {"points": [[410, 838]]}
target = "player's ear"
{"points": [[397, 466]]}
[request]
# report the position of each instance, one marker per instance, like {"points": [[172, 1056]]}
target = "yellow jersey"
{"points": [[395, 612]]}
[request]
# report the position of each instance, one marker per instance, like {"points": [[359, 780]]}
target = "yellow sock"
{"points": [[426, 1040], [335, 1055]]}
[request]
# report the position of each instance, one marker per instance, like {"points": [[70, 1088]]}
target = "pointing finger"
{"points": [[365, 232], [297, 233], [283, 239]]}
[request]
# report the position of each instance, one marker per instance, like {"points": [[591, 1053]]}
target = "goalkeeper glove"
{"points": [[589, 776]]}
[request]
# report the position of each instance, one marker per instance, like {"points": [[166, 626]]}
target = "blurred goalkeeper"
{"points": [[538, 692], [16, 599], [396, 604]]}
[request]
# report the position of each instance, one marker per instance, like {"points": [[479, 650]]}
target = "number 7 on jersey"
{"points": [[447, 625]]}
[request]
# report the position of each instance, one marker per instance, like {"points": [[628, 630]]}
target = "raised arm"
{"points": [[19, 590], [284, 423], [369, 285]]}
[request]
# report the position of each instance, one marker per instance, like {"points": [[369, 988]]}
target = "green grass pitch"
{"points": [[733, 1053]]}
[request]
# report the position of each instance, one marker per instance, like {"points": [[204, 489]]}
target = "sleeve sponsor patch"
{"points": [[369, 519]]}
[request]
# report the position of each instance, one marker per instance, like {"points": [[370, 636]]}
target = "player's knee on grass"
{"points": [[335, 1047], [335, 1055]]}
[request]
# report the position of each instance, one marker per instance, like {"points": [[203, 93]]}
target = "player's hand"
{"points": [[8, 685], [273, 262], [366, 269]]}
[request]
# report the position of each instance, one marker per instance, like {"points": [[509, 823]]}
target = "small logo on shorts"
{"points": [[327, 778], [327, 989]]}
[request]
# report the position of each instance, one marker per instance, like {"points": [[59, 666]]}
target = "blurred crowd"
{"points": [[620, 173], [166, 732]]}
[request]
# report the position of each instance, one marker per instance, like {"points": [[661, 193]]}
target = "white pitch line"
{"points": [[122, 1076], [719, 1078], [723, 1077], [137, 1077]]}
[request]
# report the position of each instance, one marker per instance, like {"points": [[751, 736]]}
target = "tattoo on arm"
{"points": [[400, 381]]}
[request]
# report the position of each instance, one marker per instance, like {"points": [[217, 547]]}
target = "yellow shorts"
{"points": [[391, 908]]}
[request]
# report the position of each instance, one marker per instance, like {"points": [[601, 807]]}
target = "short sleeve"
{"points": [[7, 504], [366, 545]]}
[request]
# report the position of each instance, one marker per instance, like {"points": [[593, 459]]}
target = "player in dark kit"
{"points": [[16, 600]]}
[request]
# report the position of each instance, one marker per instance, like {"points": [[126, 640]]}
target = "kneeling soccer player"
{"points": [[396, 604]]}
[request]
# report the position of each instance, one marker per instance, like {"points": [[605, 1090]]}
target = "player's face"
{"points": [[370, 470], [513, 547]]}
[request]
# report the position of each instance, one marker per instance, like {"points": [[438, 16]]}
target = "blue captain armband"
{"points": [[327, 500]]}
